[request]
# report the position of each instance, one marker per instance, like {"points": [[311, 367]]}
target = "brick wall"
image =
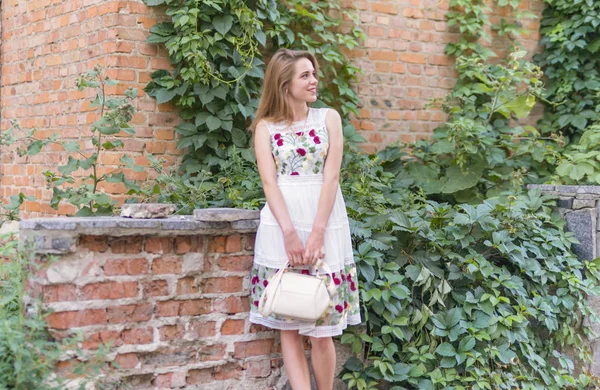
{"points": [[405, 66], [47, 44], [170, 295]]}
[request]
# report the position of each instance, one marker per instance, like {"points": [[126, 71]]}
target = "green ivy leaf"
{"points": [[239, 137], [165, 95], [213, 123], [71, 146], [223, 23], [71, 166], [445, 349]]}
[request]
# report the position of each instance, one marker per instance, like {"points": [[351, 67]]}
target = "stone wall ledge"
{"points": [[567, 190], [59, 235]]}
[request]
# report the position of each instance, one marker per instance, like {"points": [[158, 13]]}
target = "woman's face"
{"points": [[303, 86]]}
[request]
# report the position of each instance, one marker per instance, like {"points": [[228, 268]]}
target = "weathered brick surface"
{"points": [[168, 326], [46, 45], [405, 66]]}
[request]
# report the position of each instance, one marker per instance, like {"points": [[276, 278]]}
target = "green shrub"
{"points": [[460, 296], [570, 46], [29, 355]]}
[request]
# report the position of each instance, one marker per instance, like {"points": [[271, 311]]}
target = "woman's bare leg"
{"points": [[294, 360], [323, 361]]}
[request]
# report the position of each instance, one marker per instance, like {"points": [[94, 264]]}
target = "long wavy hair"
{"points": [[274, 104]]}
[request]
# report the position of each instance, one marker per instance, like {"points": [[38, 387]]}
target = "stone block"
{"points": [[244, 226], [588, 189], [583, 224], [565, 203], [542, 187], [566, 189], [147, 210], [583, 204], [224, 214]]}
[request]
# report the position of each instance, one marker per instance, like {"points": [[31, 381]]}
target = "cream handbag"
{"points": [[297, 296]]}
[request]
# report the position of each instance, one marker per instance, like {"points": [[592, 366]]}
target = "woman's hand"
{"points": [[315, 249], [294, 248]]}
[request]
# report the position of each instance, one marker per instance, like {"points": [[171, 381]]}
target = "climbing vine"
{"points": [[218, 50], [570, 58]]}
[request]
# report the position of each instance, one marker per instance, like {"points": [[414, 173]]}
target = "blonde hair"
{"points": [[274, 105]]}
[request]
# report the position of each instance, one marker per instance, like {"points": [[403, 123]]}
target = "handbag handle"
{"points": [[331, 289]]}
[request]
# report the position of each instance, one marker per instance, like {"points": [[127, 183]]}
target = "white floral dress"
{"points": [[300, 151]]}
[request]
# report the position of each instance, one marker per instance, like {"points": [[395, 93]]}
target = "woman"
{"points": [[299, 153]]}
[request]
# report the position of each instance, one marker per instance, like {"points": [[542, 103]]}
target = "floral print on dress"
{"points": [[344, 304], [301, 152]]}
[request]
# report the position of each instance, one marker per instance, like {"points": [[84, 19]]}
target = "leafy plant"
{"points": [[579, 163], [570, 60], [482, 150], [218, 50], [238, 185], [83, 191], [29, 355], [462, 296]]}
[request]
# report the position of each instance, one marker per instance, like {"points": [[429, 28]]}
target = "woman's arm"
{"points": [[268, 176], [314, 245]]}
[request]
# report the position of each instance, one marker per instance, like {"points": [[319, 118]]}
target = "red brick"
{"points": [[159, 245], [183, 308], [201, 329], [127, 360], [163, 380], [94, 243], [106, 337], [171, 332], [230, 327], [258, 368], [131, 62], [236, 263], [412, 58], [211, 352], [138, 336], [109, 290], [413, 13], [227, 284], [59, 293], [227, 371], [201, 376], [378, 55], [384, 8], [232, 305], [187, 286], [439, 60], [169, 264], [155, 288], [127, 245], [244, 349], [233, 244], [249, 241], [186, 244], [137, 266], [194, 307], [130, 313], [217, 244], [75, 319]]}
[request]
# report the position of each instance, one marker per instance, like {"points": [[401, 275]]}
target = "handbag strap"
{"points": [[331, 285]]}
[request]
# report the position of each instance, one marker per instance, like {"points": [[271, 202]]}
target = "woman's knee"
{"points": [[321, 342], [291, 335]]}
